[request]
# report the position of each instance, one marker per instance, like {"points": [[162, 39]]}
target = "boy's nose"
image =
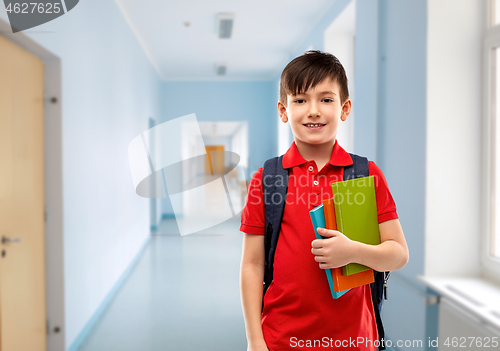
{"points": [[314, 110]]}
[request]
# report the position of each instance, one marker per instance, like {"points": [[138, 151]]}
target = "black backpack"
{"points": [[275, 187]]}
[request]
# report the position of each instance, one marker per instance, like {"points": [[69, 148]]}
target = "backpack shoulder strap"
{"points": [[274, 187], [358, 169]]}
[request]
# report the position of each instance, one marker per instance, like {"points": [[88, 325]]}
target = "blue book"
{"points": [[318, 220]]}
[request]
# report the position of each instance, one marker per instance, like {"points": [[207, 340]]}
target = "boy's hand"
{"points": [[335, 251]]}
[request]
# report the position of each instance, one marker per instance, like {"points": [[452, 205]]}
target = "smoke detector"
{"points": [[221, 68], [225, 23]]}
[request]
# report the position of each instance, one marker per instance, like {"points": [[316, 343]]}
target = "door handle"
{"points": [[6, 239]]}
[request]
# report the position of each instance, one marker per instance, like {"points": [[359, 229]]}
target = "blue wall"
{"points": [[401, 132], [366, 66], [252, 101]]}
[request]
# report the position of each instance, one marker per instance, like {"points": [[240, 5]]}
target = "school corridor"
{"points": [[180, 295], [129, 130]]}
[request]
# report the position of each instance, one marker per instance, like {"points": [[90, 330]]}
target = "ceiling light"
{"points": [[225, 25], [221, 68]]}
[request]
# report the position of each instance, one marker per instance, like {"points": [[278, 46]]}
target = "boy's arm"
{"points": [[251, 285], [338, 250]]}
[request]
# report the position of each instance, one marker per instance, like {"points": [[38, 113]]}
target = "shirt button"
{"points": [[315, 182], [311, 168]]}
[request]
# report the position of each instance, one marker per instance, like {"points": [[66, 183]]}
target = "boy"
{"points": [[298, 311]]}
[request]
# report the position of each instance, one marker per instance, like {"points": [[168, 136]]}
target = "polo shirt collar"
{"points": [[339, 157]]}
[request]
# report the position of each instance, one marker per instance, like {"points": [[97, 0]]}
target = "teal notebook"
{"points": [[318, 220], [356, 214]]}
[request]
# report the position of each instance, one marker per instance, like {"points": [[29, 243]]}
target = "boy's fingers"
{"points": [[319, 259], [326, 232], [316, 243], [316, 251]]}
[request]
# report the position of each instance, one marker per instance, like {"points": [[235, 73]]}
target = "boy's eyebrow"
{"points": [[321, 93]]}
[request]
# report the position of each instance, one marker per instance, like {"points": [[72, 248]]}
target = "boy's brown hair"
{"points": [[310, 69]]}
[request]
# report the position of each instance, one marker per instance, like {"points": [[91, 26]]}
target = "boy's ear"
{"points": [[282, 111], [346, 109]]}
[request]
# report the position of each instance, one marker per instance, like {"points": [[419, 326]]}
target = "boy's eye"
{"points": [[299, 101], [328, 100]]}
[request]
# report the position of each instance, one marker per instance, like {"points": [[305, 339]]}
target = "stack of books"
{"points": [[352, 211]]}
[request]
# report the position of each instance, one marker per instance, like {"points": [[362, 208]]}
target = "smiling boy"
{"points": [[297, 311]]}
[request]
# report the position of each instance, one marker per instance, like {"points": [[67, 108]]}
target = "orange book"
{"points": [[343, 282]]}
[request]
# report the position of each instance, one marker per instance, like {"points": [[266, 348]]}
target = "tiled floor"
{"points": [[183, 295]]}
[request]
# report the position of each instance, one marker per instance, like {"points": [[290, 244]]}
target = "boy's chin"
{"points": [[318, 141]]}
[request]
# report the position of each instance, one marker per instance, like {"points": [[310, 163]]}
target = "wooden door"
{"points": [[214, 162], [23, 325]]}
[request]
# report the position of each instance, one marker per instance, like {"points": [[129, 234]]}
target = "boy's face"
{"points": [[318, 105]]}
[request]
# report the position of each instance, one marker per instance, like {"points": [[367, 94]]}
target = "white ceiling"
{"points": [[265, 33]]}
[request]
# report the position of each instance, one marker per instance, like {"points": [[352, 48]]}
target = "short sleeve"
{"points": [[252, 216], [386, 208]]}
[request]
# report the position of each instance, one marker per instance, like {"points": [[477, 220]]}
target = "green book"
{"points": [[356, 214]]}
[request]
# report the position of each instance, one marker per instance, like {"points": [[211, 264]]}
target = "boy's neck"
{"points": [[320, 153]]}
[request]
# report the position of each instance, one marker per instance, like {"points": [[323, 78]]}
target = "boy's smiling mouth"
{"points": [[314, 126]]}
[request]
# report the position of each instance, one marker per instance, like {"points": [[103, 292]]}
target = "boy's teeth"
{"points": [[314, 125]]}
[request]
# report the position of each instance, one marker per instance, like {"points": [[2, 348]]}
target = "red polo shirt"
{"points": [[299, 312]]}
